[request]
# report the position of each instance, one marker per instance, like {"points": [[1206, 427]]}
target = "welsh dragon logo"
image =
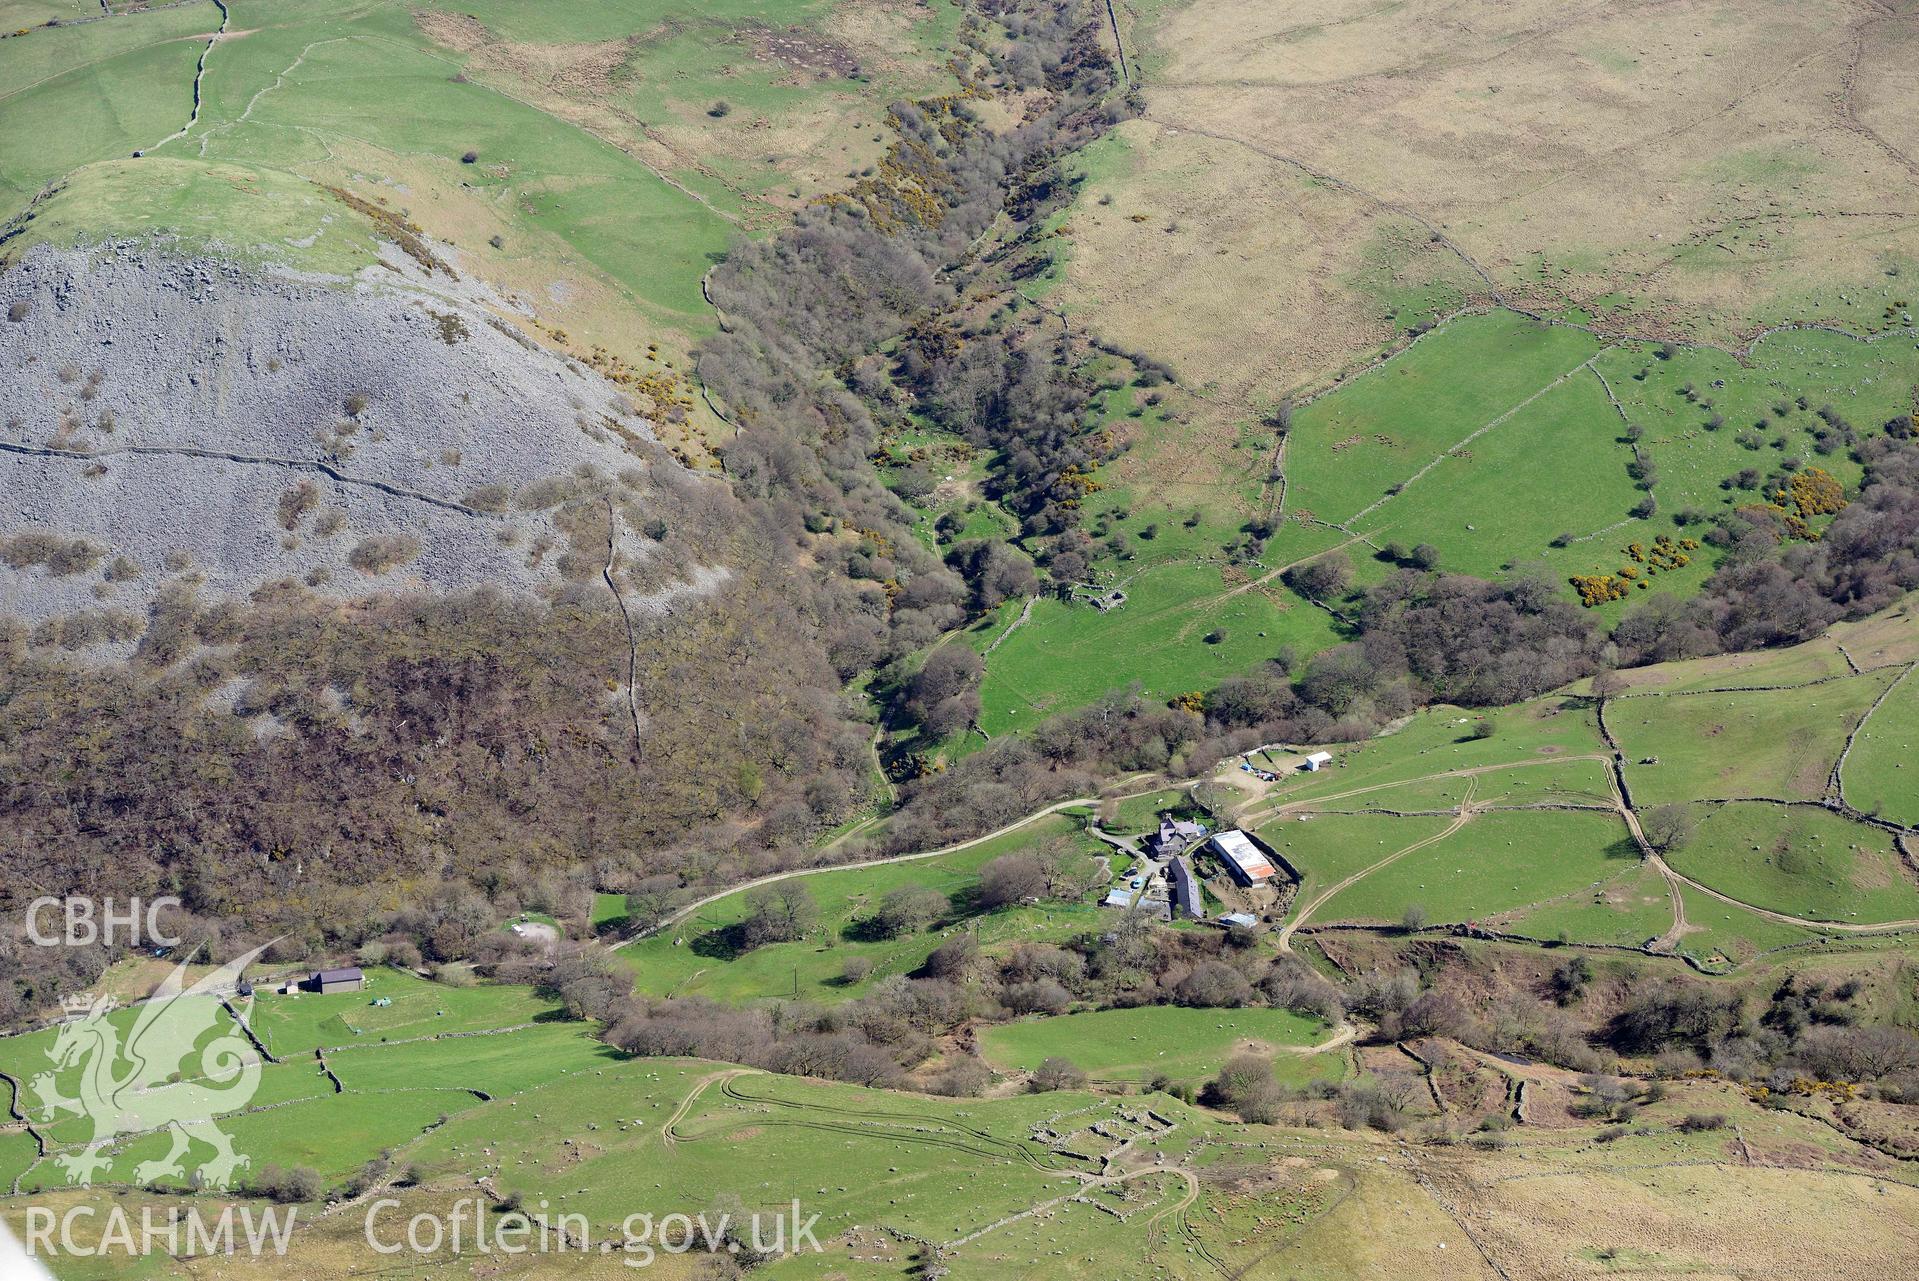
{"points": [[160, 1078]]}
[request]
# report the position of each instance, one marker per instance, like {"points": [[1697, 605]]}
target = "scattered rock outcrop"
{"points": [[162, 413]]}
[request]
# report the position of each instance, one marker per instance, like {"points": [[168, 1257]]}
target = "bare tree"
{"points": [[779, 913], [1667, 827], [1057, 1074]]}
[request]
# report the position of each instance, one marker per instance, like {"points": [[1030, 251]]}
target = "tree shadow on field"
{"points": [[726, 943], [961, 905], [1625, 849], [965, 904], [865, 929]]}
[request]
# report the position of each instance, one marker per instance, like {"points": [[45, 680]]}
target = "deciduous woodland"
{"points": [[420, 747]]}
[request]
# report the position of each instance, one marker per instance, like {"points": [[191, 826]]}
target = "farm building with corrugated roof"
{"points": [[1248, 865]]}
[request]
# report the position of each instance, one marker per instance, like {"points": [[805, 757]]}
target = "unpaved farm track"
{"points": [[1621, 804], [1464, 816], [680, 914], [667, 1135]]}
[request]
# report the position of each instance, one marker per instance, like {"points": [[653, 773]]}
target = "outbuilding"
{"points": [[350, 979], [1186, 893], [1317, 761], [1244, 860]]}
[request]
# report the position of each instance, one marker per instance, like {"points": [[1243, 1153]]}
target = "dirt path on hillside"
{"points": [[1468, 439], [680, 914], [1257, 814], [1785, 918], [1622, 802], [667, 1137], [1306, 909]]}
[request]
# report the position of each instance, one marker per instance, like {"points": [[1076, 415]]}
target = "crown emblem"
{"points": [[150, 1073]]}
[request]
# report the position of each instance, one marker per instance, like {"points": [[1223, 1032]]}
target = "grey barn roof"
{"points": [[352, 974], [1185, 889]]}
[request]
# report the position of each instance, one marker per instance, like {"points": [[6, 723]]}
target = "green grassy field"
{"points": [[1138, 814], [28, 1056], [1535, 781], [1551, 460], [1801, 860], [1865, 383], [806, 82], [678, 963], [76, 95], [279, 1083], [1140, 1044], [1348, 448], [938, 1167], [1816, 660], [1086, 1238], [1067, 655], [540, 174], [1440, 740], [1760, 424], [334, 1134], [1779, 744], [1881, 773], [17, 1155], [1327, 848], [1722, 933], [498, 1064], [392, 1092], [1497, 862], [608, 909], [290, 1025], [1627, 911], [1480, 506], [15, 14]]}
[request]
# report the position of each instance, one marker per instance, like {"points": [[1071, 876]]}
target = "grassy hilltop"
{"points": [[584, 159]]}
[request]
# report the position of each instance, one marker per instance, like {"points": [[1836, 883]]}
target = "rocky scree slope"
{"points": [[355, 436]]}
